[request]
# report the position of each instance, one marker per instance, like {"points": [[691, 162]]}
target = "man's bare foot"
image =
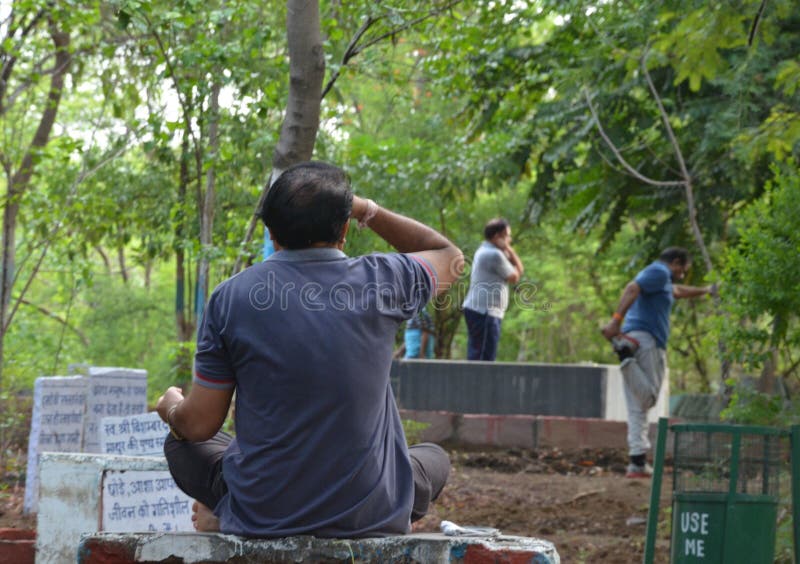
{"points": [[203, 519]]}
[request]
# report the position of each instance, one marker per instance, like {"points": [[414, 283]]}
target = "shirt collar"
{"points": [[313, 253]]}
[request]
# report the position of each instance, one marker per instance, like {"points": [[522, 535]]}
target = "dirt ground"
{"points": [[580, 501]]}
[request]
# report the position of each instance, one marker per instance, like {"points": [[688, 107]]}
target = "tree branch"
{"points": [[45, 246], [786, 373], [353, 48], [59, 224], [350, 52], [756, 20], [23, 85], [54, 316], [7, 322], [174, 77], [687, 178], [632, 171], [8, 64], [42, 134], [20, 180], [407, 25]]}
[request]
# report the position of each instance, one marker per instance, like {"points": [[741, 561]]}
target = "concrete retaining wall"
{"points": [[511, 388], [521, 431]]}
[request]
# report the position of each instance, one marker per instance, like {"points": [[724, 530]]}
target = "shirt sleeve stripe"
{"points": [[214, 383], [429, 269]]}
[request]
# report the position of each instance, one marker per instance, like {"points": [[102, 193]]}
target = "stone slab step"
{"points": [[213, 548]]}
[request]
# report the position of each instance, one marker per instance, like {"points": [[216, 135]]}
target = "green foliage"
{"points": [[784, 537], [761, 277], [413, 430], [129, 325], [751, 407], [457, 115], [697, 56], [14, 427]]}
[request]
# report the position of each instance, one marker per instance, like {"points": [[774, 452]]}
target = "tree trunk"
{"points": [[105, 258], [207, 207], [19, 181], [123, 268], [306, 74], [184, 325], [767, 379], [301, 120]]}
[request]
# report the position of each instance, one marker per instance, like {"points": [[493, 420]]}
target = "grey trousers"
{"points": [[642, 376], [197, 470]]}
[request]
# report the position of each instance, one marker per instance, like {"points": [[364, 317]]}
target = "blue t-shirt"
{"points": [[650, 312], [306, 339], [416, 326]]}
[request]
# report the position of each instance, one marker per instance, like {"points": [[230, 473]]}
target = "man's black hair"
{"points": [[495, 226], [309, 203], [671, 253]]}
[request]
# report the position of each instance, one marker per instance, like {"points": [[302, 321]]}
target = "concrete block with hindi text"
{"points": [[57, 424], [86, 493]]}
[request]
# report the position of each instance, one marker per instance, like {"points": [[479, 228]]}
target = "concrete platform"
{"points": [[585, 390], [208, 548]]}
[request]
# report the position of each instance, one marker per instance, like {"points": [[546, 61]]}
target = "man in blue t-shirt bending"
{"points": [[305, 339], [642, 341]]}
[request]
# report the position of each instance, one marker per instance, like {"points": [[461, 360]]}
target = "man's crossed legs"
{"points": [[197, 470]]}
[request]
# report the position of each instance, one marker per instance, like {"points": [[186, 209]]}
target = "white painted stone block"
{"points": [[144, 500], [113, 392], [56, 425], [70, 499], [135, 435]]}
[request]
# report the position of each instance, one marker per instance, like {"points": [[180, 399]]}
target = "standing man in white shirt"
{"points": [[494, 266]]}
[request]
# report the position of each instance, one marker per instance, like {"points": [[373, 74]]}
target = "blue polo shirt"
{"points": [[650, 312], [306, 339]]}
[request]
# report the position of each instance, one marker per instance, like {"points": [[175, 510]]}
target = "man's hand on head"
{"points": [[359, 208]]}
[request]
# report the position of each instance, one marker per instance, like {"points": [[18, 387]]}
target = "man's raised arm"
{"points": [[679, 291], [410, 236]]}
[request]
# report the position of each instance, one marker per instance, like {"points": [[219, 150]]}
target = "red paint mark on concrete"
{"points": [[95, 551], [582, 429], [479, 554], [494, 426], [17, 546], [17, 534]]}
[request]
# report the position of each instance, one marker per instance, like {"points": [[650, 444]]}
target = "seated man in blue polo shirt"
{"points": [[305, 339]]}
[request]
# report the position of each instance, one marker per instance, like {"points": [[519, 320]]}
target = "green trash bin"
{"points": [[725, 492]]}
